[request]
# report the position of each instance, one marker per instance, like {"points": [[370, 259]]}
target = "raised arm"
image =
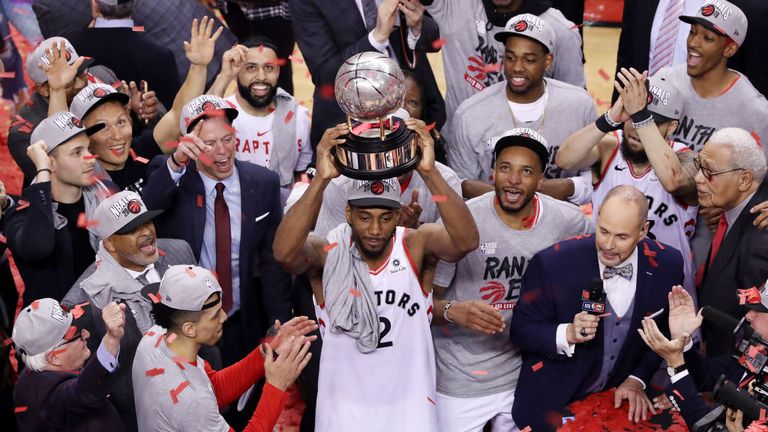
{"points": [[589, 145], [674, 170], [459, 234], [292, 248], [60, 75], [199, 50]]}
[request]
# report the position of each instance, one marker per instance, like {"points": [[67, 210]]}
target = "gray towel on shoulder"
{"points": [[348, 291]]}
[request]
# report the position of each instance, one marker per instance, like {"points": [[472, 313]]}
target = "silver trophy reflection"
{"points": [[370, 88]]}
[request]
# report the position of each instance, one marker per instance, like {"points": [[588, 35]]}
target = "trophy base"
{"points": [[371, 158]]}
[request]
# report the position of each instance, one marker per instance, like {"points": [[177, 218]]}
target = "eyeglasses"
{"points": [[707, 173]]}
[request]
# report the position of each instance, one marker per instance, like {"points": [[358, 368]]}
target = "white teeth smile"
{"points": [[518, 81]]}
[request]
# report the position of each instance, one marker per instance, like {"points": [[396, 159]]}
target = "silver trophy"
{"points": [[370, 88]]}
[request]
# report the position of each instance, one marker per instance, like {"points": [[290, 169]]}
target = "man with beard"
{"points": [[527, 99], [473, 56], [46, 233], [477, 365], [376, 311], [631, 145], [127, 260], [272, 129]]}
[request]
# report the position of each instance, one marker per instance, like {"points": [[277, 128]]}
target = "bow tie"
{"points": [[623, 271]]}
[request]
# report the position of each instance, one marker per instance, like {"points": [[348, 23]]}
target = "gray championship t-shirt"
{"points": [[332, 211], [740, 106], [472, 364], [470, 47], [488, 115], [169, 398]]}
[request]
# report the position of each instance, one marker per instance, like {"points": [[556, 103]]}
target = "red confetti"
{"points": [[438, 43], [575, 26], [157, 342], [171, 144], [205, 159], [677, 393], [288, 117], [175, 392], [492, 67], [661, 246], [155, 299], [138, 28], [35, 304], [281, 62], [652, 262], [362, 127], [604, 75], [20, 409], [78, 311], [89, 157], [160, 252], [431, 126], [439, 198], [190, 272], [526, 429], [480, 372], [25, 129], [749, 295], [762, 414], [230, 129], [59, 351], [757, 138], [22, 205], [296, 59], [330, 246], [8, 75], [431, 401], [179, 361], [354, 292], [83, 222], [537, 366], [138, 158], [327, 92], [170, 338], [117, 84], [604, 315], [154, 372], [149, 333], [199, 200], [7, 341], [557, 247], [70, 332]]}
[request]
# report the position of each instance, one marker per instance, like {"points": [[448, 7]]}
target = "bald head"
{"points": [[623, 195]]}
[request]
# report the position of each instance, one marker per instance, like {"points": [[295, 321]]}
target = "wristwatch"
{"points": [[672, 371]]}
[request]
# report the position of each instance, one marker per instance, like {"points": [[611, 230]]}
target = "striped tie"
{"points": [[665, 39]]}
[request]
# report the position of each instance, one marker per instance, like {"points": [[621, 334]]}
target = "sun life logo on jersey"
{"points": [[396, 267]]}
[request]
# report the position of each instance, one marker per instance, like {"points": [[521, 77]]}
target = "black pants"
{"points": [[277, 29]]}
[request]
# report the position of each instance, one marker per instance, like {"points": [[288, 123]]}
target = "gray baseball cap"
{"points": [[92, 96], [530, 26], [721, 17], [664, 100], [187, 287], [522, 137], [121, 213], [41, 326], [374, 193], [202, 107], [39, 56], [60, 128]]}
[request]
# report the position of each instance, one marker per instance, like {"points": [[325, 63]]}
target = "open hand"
{"points": [[283, 371], [202, 42], [60, 73], [639, 404]]}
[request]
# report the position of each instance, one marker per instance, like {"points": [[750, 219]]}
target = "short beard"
{"points": [[526, 199], [371, 255], [256, 102], [636, 157]]}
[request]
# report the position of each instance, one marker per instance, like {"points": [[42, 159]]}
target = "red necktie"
{"points": [[722, 227], [223, 246]]}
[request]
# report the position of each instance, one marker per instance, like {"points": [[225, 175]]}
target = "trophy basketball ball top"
{"points": [[370, 88]]}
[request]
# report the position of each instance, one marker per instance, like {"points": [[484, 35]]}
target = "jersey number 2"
{"points": [[382, 333]]}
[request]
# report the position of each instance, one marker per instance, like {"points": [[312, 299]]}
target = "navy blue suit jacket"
{"points": [[184, 218], [551, 297]]}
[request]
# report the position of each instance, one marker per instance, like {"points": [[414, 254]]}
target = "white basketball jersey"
{"points": [[393, 387], [672, 222]]}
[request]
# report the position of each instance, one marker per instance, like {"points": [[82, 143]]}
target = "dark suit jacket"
{"points": [[635, 40], [133, 57], [65, 401], [185, 219], [329, 32], [552, 297], [702, 377], [741, 262]]}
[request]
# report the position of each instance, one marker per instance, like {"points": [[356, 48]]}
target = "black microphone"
{"points": [[728, 394], [593, 300], [723, 321]]}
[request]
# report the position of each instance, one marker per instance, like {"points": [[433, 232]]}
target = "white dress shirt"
{"points": [[151, 275], [619, 293]]}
